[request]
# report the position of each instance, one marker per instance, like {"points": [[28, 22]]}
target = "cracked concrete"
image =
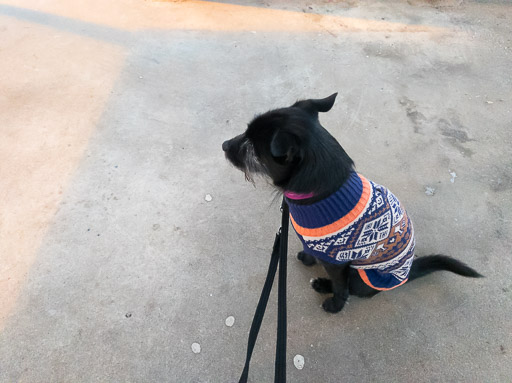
{"points": [[112, 260]]}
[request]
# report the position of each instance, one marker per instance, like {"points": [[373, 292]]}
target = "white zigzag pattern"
{"points": [[350, 255], [393, 261], [397, 210], [403, 271]]}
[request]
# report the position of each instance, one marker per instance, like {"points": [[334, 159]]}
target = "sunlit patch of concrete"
{"points": [[52, 92]]}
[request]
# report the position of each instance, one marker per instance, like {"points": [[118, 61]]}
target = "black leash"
{"points": [[279, 253]]}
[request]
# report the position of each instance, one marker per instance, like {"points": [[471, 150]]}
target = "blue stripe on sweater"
{"points": [[330, 209]]}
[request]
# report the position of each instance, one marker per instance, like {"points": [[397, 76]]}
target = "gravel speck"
{"points": [[196, 348]]}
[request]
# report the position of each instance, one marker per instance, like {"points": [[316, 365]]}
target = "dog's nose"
{"points": [[225, 146]]}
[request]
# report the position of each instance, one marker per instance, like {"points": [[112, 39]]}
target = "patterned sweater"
{"points": [[362, 223]]}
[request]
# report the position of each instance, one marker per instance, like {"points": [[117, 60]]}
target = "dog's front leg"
{"points": [[339, 279]]}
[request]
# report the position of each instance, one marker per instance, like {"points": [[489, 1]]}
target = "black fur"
{"points": [[306, 259], [426, 265], [291, 147]]}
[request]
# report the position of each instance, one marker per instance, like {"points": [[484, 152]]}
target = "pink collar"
{"points": [[292, 195]]}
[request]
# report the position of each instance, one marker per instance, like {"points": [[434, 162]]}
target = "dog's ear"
{"points": [[284, 145], [314, 106]]}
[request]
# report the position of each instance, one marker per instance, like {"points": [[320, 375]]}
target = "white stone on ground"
{"points": [[196, 348], [298, 361], [230, 321]]}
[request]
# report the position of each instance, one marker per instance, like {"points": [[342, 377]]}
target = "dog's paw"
{"points": [[322, 285], [333, 306], [306, 259]]}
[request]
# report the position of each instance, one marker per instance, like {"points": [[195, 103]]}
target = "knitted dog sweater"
{"points": [[362, 223]]}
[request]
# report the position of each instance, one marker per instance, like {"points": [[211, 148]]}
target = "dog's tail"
{"points": [[425, 265]]}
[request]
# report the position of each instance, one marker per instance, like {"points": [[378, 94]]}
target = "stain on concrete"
{"points": [[459, 135], [392, 52], [441, 67], [502, 181], [455, 134], [453, 129], [417, 118]]}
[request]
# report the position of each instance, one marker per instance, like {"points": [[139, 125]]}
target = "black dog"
{"points": [[355, 228]]}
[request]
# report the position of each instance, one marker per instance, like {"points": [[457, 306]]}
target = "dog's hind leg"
{"points": [[339, 282], [357, 287], [306, 259]]}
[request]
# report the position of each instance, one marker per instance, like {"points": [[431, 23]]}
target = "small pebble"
{"points": [[429, 190], [208, 198], [196, 348], [489, 102], [230, 321], [128, 315], [298, 361]]}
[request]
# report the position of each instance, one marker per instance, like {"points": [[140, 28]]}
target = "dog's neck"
{"points": [[298, 196], [354, 192], [308, 198]]}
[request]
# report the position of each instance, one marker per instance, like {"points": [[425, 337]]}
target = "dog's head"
{"points": [[290, 146]]}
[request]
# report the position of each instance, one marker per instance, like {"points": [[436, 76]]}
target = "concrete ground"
{"points": [[112, 115]]}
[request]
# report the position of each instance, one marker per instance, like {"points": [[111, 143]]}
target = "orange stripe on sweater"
{"points": [[343, 221], [365, 279]]}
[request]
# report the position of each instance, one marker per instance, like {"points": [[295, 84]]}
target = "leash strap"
{"points": [[279, 253], [280, 367]]}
